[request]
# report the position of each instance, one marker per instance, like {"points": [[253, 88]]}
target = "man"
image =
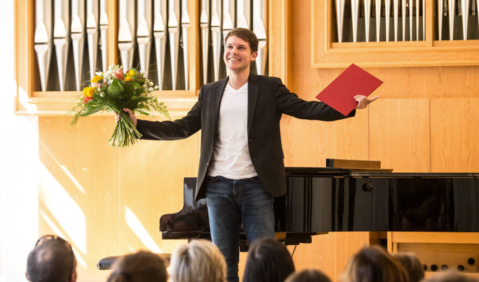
{"points": [[241, 166], [51, 260]]}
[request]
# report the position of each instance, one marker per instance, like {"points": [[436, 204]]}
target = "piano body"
{"points": [[434, 215], [321, 200]]}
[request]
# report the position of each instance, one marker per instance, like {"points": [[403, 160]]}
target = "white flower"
{"points": [[156, 87], [151, 83], [99, 73], [150, 89]]}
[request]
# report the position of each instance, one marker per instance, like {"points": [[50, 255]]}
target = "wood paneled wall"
{"points": [[426, 120], [108, 201]]}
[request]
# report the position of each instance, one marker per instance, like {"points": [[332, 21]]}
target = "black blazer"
{"points": [[268, 99]]}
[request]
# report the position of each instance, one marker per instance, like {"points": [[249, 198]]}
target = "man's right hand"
{"points": [[130, 114]]}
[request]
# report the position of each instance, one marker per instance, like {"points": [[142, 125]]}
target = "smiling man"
{"points": [[241, 166]]}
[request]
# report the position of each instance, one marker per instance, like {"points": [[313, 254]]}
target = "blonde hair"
{"points": [[198, 261], [142, 266], [374, 264], [413, 266]]}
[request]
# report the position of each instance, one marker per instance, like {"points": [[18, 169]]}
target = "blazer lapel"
{"points": [[253, 90], [219, 90]]}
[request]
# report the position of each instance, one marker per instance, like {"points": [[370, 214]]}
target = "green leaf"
{"points": [[115, 88], [143, 112], [133, 104], [92, 111]]}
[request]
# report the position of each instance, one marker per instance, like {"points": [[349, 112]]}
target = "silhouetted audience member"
{"points": [[451, 276], [374, 264], [142, 266], [198, 261], [413, 266], [308, 275], [51, 260], [268, 261]]}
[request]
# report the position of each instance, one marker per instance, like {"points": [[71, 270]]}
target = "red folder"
{"points": [[339, 95]]}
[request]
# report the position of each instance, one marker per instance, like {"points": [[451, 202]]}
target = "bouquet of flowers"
{"points": [[111, 92]]}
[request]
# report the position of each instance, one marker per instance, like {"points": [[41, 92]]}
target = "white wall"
{"points": [[18, 166]]}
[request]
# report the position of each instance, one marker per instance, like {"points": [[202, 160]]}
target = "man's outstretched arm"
{"points": [[292, 105], [170, 130]]}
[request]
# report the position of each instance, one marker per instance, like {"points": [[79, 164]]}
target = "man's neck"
{"points": [[237, 80]]}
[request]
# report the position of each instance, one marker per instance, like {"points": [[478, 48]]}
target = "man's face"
{"points": [[238, 54]]}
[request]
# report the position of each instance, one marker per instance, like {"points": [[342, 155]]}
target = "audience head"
{"points": [[199, 260], [413, 266], [268, 261], [374, 264], [308, 275], [51, 260], [451, 276], [142, 266]]}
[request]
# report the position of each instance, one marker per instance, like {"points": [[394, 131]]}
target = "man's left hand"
{"points": [[363, 101]]}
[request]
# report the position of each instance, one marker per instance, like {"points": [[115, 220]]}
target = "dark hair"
{"points": [[142, 266], [374, 264], [412, 265], [51, 261], [308, 275], [268, 261], [245, 34]]}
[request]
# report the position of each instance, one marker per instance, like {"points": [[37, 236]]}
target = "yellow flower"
{"points": [[88, 91], [131, 73], [96, 79], [128, 78]]}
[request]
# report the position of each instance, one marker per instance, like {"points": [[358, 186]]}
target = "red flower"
{"points": [[119, 75], [86, 99]]}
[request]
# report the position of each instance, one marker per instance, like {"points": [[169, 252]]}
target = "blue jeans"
{"points": [[231, 202]]}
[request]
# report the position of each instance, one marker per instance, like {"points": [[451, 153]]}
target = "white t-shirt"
{"points": [[231, 158]]}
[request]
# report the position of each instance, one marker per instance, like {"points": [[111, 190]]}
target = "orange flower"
{"points": [[88, 91], [128, 78]]}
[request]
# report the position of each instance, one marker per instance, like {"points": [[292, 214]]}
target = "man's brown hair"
{"points": [[245, 34]]}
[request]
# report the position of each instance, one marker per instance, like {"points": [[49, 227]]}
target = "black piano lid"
{"points": [[414, 175], [333, 171]]}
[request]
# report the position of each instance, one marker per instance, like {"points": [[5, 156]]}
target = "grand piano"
{"points": [[331, 199], [321, 200]]}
